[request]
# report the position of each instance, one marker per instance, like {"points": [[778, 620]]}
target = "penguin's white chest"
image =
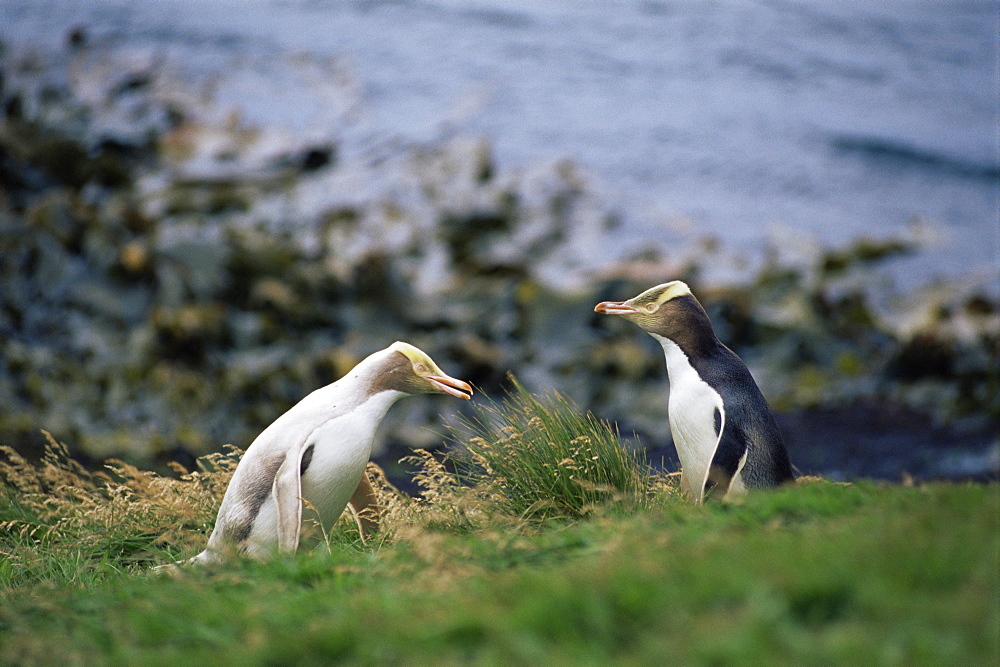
{"points": [[341, 449], [692, 414]]}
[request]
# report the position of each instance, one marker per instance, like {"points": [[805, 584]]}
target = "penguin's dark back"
{"points": [[747, 409]]}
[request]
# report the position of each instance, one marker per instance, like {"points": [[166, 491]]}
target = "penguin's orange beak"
{"points": [[614, 308], [450, 385]]}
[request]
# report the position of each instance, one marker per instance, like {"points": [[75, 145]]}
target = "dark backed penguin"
{"points": [[316, 453], [726, 436]]}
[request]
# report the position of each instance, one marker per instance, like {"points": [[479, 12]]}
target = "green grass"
{"points": [[816, 573]]}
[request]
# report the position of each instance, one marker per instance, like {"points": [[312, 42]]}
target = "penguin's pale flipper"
{"points": [[366, 509], [287, 491]]}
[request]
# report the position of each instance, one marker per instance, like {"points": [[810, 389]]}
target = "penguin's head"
{"points": [[411, 371], [668, 310]]}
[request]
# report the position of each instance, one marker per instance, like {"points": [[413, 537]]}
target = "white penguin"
{"points": [[317, 453], [726, 436]]}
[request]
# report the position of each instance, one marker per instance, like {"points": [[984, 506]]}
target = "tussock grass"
{"points": [[541, 458], [60, 522]]}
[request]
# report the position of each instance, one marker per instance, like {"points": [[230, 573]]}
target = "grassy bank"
{"points": [[818, 573], [812, 575]]}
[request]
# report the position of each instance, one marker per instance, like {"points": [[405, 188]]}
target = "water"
{"points": [[745, 121]]}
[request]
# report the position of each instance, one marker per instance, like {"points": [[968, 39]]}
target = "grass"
{"points": [[543, 460], [816, 573]]}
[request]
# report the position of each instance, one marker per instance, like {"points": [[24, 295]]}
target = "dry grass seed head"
{"points": [[72, 505]]}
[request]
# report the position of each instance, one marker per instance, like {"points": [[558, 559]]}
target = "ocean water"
{"points": [[752, 123]]}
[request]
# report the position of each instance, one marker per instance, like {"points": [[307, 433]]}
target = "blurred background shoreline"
{"points": [[208, 213]]}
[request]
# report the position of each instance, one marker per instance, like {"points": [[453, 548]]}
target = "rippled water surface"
{"points": [[736, 120]]}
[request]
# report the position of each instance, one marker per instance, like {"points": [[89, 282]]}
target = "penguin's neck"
{"points": [[333, 401], [679, 362], [689, 352], [377, 405], [353, 392]]}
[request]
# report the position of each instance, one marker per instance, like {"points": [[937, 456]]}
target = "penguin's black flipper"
{"points": [[732, 447]]}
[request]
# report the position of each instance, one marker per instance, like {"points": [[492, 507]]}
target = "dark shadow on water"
{"points": [[883, 441], [884, 151]]}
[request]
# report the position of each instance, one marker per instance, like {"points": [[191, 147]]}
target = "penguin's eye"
{"points": [[650, 307], [420, 368]]}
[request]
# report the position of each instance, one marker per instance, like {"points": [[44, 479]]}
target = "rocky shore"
{"points": [[173, 279]]}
